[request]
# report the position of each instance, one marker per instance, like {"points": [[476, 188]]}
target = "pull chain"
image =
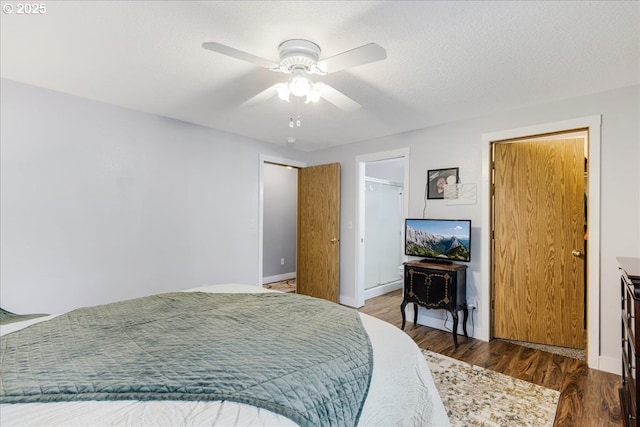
{"points": [[295, 111]]}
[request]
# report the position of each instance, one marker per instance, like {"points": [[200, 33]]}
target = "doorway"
{"points": [[280, 203], [271, 201], [593, 125], [382, 182], [538, 210], [317, 225]]}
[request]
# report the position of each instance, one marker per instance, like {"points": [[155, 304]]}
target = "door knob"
{"points": [[576, 253], [334, 240]]}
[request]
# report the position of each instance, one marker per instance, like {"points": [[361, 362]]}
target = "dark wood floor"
{"points": [[587, 397]]}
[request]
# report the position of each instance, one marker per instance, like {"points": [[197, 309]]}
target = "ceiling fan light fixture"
{"points": [[314, 94], [299, 85], [283, 91]]}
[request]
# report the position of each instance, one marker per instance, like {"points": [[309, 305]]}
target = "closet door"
{"points": [[383, 233]]}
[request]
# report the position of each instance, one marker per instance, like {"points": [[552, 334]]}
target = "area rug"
{"points": [[573, 353], [474, 396], [288, 286]]}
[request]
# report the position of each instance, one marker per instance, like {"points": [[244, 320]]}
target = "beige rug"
{"points": [[573, 353], [474, 396]]}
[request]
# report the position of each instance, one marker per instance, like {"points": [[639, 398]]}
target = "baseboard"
{"points": [[382, 289], [438, 323], [279, 277], [348, 301]]}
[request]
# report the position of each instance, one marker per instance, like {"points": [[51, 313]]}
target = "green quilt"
{"points": [[304, 358], [7, 317]]}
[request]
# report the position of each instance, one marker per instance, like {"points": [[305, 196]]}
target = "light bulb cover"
{"points": [[283, 91], [299, 85], [313, 95]]}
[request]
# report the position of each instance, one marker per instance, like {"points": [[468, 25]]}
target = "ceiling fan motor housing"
{"points": [[298, 54]]}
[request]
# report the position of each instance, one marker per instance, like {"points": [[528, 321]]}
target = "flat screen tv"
{"points": [[443, 240]]}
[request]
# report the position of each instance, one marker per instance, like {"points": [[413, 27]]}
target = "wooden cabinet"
{"points": [[630, 299], [436, 286]]}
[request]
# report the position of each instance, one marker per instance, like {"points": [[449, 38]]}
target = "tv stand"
{"points": [[436, 261], [435, 285]]}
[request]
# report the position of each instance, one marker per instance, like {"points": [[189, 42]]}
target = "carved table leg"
{"points": [[465, 312], [454, 314], [415, 314], [402, 306]]}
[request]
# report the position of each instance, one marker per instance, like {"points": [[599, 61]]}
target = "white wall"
{"points": [[459, 144], [99, 203]]}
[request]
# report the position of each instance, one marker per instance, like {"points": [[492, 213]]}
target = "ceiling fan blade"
{"points": [[266, 94], [352, 58], [337, 98], [238, 54]]}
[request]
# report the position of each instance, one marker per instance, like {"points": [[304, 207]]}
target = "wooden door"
{"points": [[538, 221], [318, 256]]}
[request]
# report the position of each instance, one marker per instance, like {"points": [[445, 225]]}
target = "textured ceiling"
{"points": [[445, 60]]}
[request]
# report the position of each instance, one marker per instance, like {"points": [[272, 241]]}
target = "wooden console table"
{"points": [[436, 286]]}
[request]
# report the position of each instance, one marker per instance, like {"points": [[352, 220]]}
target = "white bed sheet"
{"points": [[402, 393]]}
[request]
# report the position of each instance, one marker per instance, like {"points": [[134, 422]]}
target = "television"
{"points": [[440, 240]]}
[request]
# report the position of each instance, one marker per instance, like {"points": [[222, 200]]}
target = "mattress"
{"points": [[401, 393]]}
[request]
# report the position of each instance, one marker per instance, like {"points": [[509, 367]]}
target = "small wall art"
{"points": [[460, 194], [437, 179]]}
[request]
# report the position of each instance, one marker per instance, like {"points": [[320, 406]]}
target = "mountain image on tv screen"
{"points": [[438, 239]]}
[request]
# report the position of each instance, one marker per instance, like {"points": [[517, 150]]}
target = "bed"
{"points": [[383, 377]]}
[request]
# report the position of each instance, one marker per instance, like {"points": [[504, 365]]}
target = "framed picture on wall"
{"points": [[437, 179]]}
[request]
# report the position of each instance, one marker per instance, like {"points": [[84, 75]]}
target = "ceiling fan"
{"points": [[301, 59]]}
